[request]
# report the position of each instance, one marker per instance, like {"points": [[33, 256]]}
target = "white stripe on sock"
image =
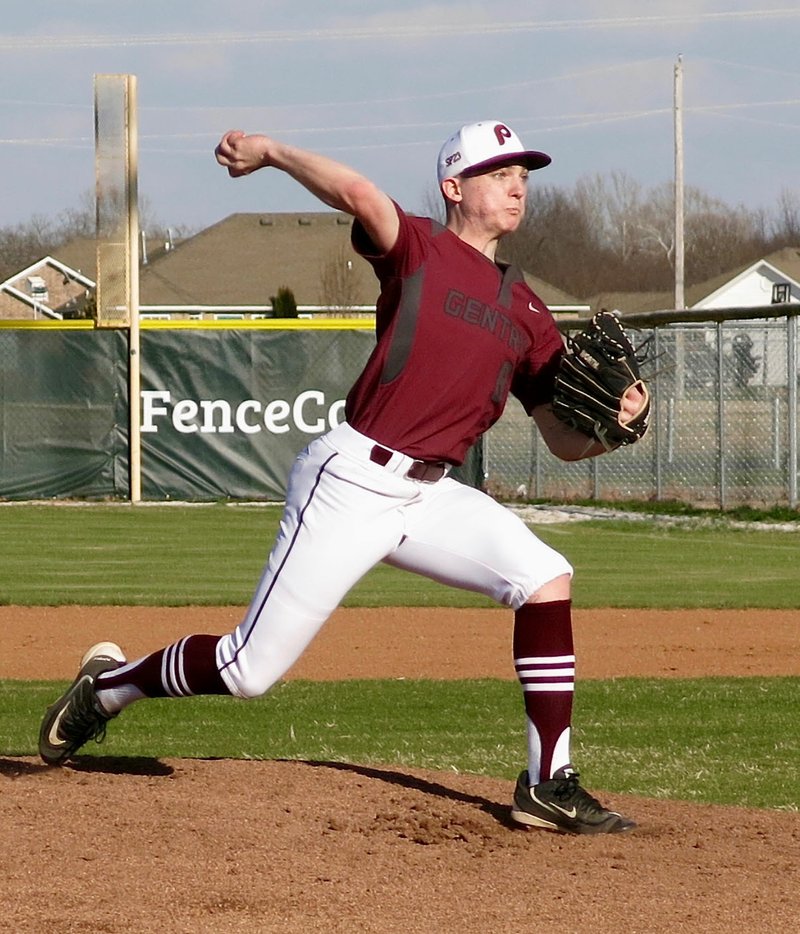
{"points": [[557, 686], [180, 673], [544, 660], [545, 672], [165, 681]]}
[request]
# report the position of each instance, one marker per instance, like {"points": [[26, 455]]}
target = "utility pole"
{"points": [[680, 301]]}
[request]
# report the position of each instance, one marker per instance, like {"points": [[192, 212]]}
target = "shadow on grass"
{"points": [[500, 812]]}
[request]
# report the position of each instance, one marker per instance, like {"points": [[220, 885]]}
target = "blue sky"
{"points": [[380, 85]]}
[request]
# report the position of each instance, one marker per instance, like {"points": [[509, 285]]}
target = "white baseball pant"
{"points": [[344, 514]]}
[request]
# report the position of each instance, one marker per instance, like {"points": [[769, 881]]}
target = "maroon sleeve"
{"points": [[392, 269], [408, 252], [534, 381]]}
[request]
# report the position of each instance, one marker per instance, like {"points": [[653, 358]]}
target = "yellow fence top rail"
{"points": [[152, 324]]}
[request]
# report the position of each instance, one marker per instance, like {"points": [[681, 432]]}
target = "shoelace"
{"points": [[570, 789], [84, 723]]}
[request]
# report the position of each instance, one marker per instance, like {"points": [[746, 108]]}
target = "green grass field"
{"points": [[724, 740], [212, 555]]}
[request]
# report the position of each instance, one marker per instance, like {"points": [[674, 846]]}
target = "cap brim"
{"points": [[531, 159]]}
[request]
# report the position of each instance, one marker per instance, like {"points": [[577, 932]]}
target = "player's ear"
{"points": [[451, 189]]}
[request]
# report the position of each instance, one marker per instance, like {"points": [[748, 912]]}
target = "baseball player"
{"points": [[456, 332]]}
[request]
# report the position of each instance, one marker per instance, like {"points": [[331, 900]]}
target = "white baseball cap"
{"points": [[480, 146]]}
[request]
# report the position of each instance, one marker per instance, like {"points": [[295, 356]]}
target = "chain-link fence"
{"points": [[723, 424]]}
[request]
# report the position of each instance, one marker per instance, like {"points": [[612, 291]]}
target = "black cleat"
{"points": [[561, 804], [76, 717]]}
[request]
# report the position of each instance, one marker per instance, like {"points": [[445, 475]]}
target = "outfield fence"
{"points": [[723, 426], [225, 408]]}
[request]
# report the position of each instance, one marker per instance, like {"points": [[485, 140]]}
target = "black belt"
{"points": [[427, 471]]}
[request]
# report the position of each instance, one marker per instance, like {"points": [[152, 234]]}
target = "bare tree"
{"points": [[786, 226], [79, 221], [555, 242], [340, 280], [607, 234], [719, 239], [24, 244], [613, 207]]}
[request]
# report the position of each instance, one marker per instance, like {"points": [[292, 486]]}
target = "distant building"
{"points": [[232, 269], [42, 291], [773, 279]]}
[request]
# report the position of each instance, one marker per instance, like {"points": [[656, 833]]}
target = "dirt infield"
{"points": [[146, 845]]}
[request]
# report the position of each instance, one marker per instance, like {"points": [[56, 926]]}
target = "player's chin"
{"points": [[513, 219]]}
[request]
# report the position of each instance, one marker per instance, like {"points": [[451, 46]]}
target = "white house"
{"points": [[774, 279]]}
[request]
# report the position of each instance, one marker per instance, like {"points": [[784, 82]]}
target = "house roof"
{"points": [[42, 289], [245, 259], [41, 265], [79, 254], [631, 301], [786, 261], [550, 295]]}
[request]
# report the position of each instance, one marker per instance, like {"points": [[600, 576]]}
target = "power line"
{"points": [[568, 121], [463, 92], [66, 142], [360, 33], [743, 105], [745, 119], [761, 68], [470, 92]]}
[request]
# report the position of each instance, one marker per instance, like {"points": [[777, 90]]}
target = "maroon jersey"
{"points": [[455, 333]]}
